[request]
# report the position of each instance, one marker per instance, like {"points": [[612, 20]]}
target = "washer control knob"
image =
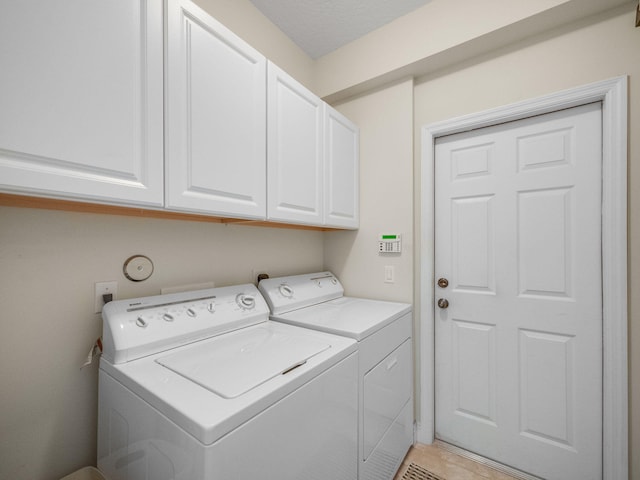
{"points": [[246, 302], [191, 312], [141, 322], [167, 317], [286, 290]]}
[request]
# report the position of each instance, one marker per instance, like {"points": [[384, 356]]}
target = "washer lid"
{"points": [[233, 364]]}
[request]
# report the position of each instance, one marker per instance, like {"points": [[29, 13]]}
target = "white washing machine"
{"points": [[201, 385], [385, 380]]}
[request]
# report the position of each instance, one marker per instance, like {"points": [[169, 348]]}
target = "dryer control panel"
{"points": [[284, 294], [139, 327]]}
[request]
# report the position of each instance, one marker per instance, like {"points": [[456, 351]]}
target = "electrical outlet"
{"points": [[104, 288], [255, 272]]}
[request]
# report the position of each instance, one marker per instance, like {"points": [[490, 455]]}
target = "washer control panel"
{"points": [[284, 294], [142, 326]]}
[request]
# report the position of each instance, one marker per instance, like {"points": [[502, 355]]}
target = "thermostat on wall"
{"points": [[390, 243]]}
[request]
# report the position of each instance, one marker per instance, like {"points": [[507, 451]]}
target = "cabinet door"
{"points": [[81, 100], [295, 149], [215, 117], [342, 196]]}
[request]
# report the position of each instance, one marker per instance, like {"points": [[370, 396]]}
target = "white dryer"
{"points": [[384, 332], [200, 385]]}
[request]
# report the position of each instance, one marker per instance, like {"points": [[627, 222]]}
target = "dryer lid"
{"points": [[352, 317], [233, 364]]}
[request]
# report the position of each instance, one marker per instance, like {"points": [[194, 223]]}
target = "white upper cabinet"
{"points": [[295, 151], [129, 103], [215, 117], [312, 157], [342, 153], [81, 100]]}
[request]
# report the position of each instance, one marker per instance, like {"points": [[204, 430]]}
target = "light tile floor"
{"points": [[448, 465]]}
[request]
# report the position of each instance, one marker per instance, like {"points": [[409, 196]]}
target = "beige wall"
{"points": [[385, 118], [49, 263], [595, 49], [441, 33]]}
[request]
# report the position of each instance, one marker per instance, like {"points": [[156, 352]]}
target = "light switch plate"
{"points": [[389, 274]]}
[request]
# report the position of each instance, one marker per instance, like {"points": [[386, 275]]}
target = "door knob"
{"points": [[443, 282], [443, 303]]}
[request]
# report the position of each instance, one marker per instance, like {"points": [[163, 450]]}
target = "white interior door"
{"points": [[519, 347]]}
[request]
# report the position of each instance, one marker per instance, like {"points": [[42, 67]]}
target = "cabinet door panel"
{"points": [[81, 100], [341, 171], [216, 107], [295, 149]]}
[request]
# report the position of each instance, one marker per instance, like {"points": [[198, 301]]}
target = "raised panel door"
{"points": [[81, 100], [215, 117], [295, 151], [341, 170], [519, 346]]}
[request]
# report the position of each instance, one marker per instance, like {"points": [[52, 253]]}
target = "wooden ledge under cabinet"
{"points": [[23, 201]]}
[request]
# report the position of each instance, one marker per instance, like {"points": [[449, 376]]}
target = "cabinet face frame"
{"points": [[215, 117], [82, 115]]}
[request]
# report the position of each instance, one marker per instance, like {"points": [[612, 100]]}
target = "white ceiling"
{"points": [[321, 26]]}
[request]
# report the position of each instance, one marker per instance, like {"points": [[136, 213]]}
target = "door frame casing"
{"points": [[613, 95]]}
